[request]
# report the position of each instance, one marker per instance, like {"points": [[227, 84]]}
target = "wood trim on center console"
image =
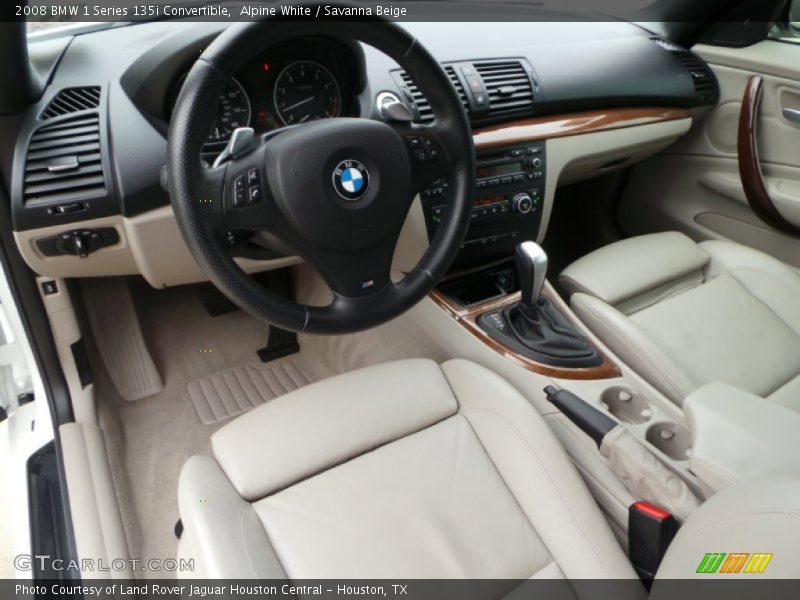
{"points": [[540, 128], [467, 317]]}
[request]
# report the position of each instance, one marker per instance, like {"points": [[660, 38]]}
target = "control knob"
{"points": [[535, 162], [522, 203]]}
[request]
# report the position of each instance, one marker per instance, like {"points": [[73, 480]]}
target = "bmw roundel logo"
{"points": [[350, 179]]}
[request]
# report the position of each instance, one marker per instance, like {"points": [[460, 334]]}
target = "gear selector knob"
{"points": [[530, 262]]}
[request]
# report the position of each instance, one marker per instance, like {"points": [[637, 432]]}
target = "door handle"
{"points": [[755, 189], [792, 114]]}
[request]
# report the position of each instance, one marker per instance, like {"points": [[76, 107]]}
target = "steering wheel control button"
{"points": [[423, 149], [351, 179], [247, 189], [431, 148], [239, 194]]}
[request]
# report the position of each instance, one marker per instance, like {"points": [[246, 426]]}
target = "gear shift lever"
{"points": [[535, 327], [530, 262]]}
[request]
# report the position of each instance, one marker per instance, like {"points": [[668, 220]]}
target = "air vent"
{"points": [[451, 73], [705, 86], [668, 46], [508, 85], [71, 100], [421, 102], [702, 77], [64, 162]]}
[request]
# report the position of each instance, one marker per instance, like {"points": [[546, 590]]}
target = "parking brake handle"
{"points": [[587, 418]]}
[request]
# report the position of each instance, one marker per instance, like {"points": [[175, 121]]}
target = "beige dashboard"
{"points": [[579, 146]]}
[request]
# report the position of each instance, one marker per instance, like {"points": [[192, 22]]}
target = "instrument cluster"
{"points": [[295, 82]]}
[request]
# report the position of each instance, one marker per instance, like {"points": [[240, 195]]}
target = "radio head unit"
{"points": [[507, 202]]}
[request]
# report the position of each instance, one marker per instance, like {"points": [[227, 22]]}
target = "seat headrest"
{"points": [[327, 423], [625, 269]]}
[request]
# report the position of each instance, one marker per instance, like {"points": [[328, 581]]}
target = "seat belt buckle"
{"points": [[650, 532]]}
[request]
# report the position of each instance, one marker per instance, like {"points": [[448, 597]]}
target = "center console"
{"points": [[507, 202], [507, 207], [507, 306]]}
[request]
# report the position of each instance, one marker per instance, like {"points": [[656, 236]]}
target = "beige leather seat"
{"points": [[684, 314], [414, 470], [403, 470]]}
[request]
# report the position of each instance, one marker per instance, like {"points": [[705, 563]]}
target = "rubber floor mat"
{"points": [[235, 391]]}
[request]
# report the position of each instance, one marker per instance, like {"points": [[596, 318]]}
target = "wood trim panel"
{"points": [[468, 318], [539, 128], [749, 162]]}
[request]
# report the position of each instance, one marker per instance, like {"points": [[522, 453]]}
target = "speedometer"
{"points": [[233, 110], [305, 91]]}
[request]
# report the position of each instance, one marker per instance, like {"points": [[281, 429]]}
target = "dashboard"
{"points": [[549, 103]]}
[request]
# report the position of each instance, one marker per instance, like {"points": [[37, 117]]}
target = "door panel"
{"points": [[694, 186]]}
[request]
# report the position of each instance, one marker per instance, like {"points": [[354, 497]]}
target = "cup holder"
{"points": [[626, 405], [672, 439]]}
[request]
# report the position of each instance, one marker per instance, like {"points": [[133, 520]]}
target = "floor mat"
{"points": [[229, 393]]}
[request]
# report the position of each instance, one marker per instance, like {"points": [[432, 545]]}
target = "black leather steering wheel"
{"points": [[336, 191]]}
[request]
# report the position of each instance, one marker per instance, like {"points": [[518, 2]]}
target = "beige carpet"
{"points": [[150, 439]]}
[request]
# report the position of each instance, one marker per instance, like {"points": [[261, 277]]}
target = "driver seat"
{"points": [[402, 470]]}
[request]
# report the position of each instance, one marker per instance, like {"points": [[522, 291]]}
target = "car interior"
{"points": [[451, 300]]}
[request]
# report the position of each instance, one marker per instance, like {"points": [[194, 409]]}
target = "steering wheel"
{"points": [[336, 191]]}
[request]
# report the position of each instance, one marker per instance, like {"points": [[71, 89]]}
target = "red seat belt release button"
{"points": [[650, 531]]}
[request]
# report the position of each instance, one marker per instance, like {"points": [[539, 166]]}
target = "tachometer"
{"points": [[305, 91]]}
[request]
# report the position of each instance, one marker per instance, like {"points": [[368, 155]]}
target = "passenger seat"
{"points": [[684, 314]]}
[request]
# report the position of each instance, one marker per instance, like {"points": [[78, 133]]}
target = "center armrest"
{"points": [[738, 435]]}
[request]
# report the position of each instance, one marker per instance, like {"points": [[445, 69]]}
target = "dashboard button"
{"points": [[253, 177]]}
